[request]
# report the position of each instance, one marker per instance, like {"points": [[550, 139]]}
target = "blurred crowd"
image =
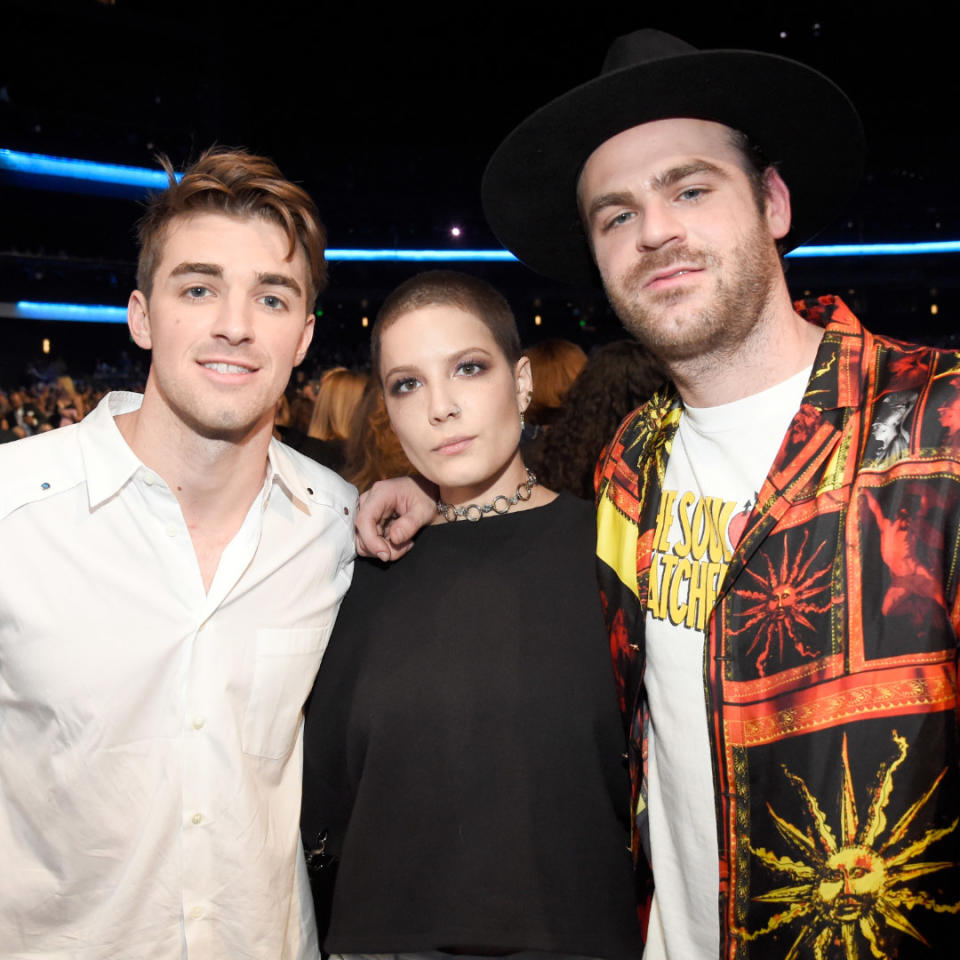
{"points": [[339, 419]]}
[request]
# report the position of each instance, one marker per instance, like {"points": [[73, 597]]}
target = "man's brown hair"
{"points": [[451, 289], [238, 184]]}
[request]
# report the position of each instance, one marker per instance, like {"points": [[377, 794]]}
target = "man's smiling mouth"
{"points": [[227, 368]]}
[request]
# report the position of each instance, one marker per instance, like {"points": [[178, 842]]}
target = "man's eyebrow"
{"points": [[279, 280], [620, 198], [662, 181], [207, 269], [675, 174]]}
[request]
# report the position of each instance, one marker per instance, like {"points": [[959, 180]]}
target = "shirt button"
{"points": [[196, 913], [149, 479], [170, 529], [198, 722], [197, 818]]}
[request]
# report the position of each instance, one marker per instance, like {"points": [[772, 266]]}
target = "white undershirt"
{"points": [[719, 460]]}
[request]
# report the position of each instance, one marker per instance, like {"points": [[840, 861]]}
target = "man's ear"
{"points": [[777, 205], [305, 338], [138, 319]]}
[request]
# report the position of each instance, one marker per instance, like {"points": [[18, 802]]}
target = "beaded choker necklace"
{"points": [[500, 504]]}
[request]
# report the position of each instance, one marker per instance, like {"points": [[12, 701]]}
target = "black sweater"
{"points": [[464, 749]]}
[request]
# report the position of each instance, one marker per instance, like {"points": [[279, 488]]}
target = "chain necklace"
{"points": [[500, 504]]}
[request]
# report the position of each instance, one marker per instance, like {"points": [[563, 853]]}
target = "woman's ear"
{"points": [[523, 377]]}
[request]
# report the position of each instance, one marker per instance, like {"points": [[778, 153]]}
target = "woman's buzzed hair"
{"points": [[448, 288], [238, 184]]}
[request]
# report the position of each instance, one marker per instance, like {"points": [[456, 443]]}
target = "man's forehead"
{"points": [[252, 243], [660, 139]]}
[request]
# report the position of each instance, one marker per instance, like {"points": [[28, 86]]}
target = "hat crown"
{"points": [[642, 46]]}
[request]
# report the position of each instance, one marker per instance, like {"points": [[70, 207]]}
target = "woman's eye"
{"points": [[470, 368], [404, 386]]}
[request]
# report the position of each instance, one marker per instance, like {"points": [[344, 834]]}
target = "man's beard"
{"points": [[740, 298]]}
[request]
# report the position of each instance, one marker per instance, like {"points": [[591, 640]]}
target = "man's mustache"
{"points": [[644, 270]]}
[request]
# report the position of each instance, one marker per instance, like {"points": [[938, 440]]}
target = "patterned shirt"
{"points": [[830, 667]]}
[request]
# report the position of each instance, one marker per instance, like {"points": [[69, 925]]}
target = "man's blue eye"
{"points": [[619, 219]]}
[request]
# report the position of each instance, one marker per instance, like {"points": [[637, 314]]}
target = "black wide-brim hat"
{"points": [[801, 120]]}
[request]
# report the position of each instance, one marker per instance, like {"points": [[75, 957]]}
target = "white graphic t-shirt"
{"points": [[719, 460]]}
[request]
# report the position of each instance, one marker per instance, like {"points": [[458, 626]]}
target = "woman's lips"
{"points": [[453, 445]]}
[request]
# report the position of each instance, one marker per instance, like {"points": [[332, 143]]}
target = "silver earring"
{"points": [[522, 420]]}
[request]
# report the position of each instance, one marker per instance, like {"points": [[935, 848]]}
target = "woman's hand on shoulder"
{"points": [[391, 513]]}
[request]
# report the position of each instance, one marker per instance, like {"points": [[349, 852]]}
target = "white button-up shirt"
{"points": [[150, 731]]}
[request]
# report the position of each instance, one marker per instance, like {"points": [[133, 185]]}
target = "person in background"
{"points": [[338, 396], [373, 450], [555, 365], [70, 405], [617, 379]]}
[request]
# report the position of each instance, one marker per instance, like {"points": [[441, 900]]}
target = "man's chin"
{"points": [[671, 337], [229, 428]]}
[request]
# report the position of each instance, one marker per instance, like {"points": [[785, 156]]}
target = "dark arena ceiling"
{"points": [[388, 119]]}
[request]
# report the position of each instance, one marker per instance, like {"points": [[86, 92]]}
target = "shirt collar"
{"points": [[282, 468], [108, 462], [837, 378]]}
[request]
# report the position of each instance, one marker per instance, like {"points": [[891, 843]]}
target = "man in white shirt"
{"points": [[168, 584], [778, 575]]}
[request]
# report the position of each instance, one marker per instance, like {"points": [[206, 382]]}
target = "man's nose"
{"points": [[659, 224], [234, 320]]}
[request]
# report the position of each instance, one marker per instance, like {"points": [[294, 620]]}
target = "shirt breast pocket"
{"points": [[285, 665]]}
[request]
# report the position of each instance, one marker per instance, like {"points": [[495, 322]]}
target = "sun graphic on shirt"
{"points": [[851, 890], [779, 609]]}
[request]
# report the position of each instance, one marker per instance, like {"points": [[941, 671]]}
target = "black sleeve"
{"points": [[327, 791]]}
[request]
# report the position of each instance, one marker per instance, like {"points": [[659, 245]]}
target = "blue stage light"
{"points": [[84, 313], [876, 249], [421, 256], [39, 165], [486, 256]]}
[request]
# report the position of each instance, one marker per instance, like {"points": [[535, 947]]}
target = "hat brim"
{"points": [[804, 123]]}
